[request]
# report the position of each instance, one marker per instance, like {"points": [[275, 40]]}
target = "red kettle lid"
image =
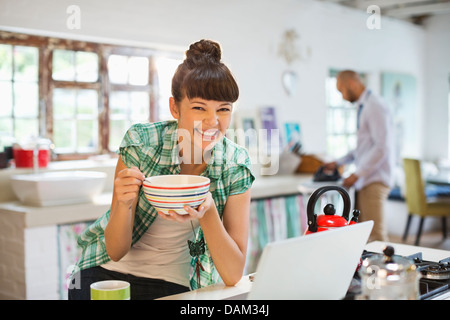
{"points": [[329, 219]]}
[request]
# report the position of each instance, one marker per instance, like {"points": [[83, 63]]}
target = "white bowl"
{"points": [[173, 192]]}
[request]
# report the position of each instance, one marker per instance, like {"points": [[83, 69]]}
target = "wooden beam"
{"points": [[436, 8], [363, 4]]}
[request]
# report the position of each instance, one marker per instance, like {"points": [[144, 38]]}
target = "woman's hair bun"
{"points": [[203, 75], [203, 51]]}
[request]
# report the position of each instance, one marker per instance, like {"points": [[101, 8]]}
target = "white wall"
{"points": [[250, 32], [436, 106]]}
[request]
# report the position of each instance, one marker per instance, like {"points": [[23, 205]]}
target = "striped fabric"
{"points": [[152, 147]]}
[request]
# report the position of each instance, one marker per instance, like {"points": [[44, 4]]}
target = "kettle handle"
{"points": [[312, 218]]}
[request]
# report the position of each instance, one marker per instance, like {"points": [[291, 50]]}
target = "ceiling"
{"points": [[415, 11]]}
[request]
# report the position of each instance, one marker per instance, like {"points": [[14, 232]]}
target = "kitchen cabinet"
{"points": [[272, 219], [36, 246]]}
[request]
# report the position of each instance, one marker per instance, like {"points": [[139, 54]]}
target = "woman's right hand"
{"points": [[119, 230], [127, 184]]}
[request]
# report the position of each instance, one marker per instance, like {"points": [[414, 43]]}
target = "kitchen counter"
{"points": [[219, 291], [281, 185], [55, 215]]}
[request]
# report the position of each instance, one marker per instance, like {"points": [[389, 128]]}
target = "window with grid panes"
{"points": [[130, 91], [75, 101], [129, 94], [19, 91], [341, 119], [83, 96]]}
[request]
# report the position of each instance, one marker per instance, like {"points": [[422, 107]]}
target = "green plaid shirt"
{"points": [[152, 147]]}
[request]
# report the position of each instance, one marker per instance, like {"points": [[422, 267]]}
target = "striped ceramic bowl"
{"points": [[173, 192]]}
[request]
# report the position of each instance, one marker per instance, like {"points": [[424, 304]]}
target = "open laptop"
{"points": [[315, 266]]}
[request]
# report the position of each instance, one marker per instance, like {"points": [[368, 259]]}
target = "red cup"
{"points": [[24, 158]]}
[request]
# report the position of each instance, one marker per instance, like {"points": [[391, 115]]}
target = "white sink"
{"points": [[58, 188]]}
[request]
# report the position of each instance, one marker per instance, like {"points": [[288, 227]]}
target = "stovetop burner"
{"points": [[438, 272], [434, 282], [432, 270]]}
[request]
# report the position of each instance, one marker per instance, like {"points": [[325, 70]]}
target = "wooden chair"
{"points": [[417, 202]]}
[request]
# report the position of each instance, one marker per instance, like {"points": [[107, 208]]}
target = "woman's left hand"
{"points": [[192, 213]]}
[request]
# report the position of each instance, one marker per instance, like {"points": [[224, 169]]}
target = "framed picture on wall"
{"points": [[270, 129], [292, 134]]}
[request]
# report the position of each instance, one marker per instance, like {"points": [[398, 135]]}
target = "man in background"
{"points": [[374, 156]]}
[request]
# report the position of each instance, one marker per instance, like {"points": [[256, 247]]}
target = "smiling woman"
{"points": [[204, 91], [133, 237]]}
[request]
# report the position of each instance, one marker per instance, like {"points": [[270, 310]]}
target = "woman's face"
{"points": [[204, 122]]}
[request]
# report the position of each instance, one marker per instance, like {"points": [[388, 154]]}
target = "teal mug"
{"points": [[110, 290]]}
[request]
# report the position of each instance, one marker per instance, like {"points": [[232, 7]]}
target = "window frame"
{"points": [[13, 81], [47, 84], [346, 108]]}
